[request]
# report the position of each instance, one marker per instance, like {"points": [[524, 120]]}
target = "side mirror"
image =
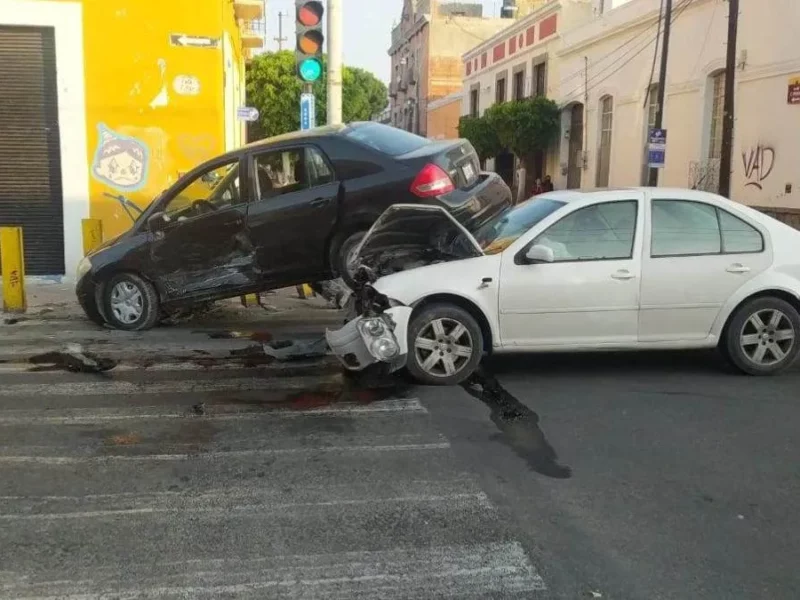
{"points": [[157, 221], [540, 254]]}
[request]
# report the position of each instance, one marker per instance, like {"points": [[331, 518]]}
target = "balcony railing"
{"points": [[253, 33], [248, 10]]}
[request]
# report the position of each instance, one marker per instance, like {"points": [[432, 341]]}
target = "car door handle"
{"points": [[317, 203], [623, 275], [738, 268]]}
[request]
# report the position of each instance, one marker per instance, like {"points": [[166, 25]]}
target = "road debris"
{"points": [[287, 350], [74, 359]]}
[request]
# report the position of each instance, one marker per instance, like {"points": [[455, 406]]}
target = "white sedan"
{"points": [[623, 269]]}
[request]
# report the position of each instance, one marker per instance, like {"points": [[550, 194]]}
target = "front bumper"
{"points": [[352, 347]]}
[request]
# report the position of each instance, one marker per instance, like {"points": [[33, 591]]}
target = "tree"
{"points": [[274, 89], [482, 135]]}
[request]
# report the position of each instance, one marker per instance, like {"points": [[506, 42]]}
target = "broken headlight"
{"points": [[377, 335]]}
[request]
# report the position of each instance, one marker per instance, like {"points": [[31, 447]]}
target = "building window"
{"points": [[652, 107], [717, 115], [500, 92], [606, 128], [519, 85], [473, 103], [540, 79]]}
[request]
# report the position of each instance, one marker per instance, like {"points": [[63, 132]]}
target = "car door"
{"points": [[698, 254], [589, 295], [293, 213], [199, 242]]}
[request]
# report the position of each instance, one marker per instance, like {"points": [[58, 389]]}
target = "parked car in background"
{"points": [[568, 271], [280, 212]]}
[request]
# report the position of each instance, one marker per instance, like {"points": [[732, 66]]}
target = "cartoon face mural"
{"points": [[120, 161]]}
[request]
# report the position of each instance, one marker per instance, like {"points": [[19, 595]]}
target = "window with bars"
{"points": [[540, 79], [652, 106], [519, 85], [473, 103], [500, 92], [717, 115], [604, 153]]}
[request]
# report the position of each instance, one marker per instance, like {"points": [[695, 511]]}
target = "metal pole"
{"points": [[662, 81], [334, 62], [726, 156], [280, 39]]}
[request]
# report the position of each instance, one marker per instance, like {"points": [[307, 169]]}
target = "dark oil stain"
{"points": [[255, 336], [73, 362], [12, 320], [518, 425]]}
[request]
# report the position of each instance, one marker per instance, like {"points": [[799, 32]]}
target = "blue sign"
{"points": [[308, 112], [310, 70], [247, 113], [657, 148]]}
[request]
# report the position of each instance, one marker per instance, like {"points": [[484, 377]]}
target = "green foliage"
{"points": [[526, 126], [274, 89], [482, 135]]}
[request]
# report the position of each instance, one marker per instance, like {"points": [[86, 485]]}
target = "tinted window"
{"points": [[218, 187], [598, 232], [319, 171], [280, 172], [504, 229], [388, 140], [737, 236], [682, 228]]}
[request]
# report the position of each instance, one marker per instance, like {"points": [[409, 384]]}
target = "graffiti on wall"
{"points": [[758, 164], [120, 161]]}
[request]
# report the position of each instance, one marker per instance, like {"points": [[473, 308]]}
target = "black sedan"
{"points": [[276, 213]]}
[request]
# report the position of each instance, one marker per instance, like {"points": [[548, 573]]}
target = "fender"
{"points": [[767, 281]]}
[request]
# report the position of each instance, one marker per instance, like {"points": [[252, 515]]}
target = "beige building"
{"points": [[611, 103], [426, 51], [443, 117]]}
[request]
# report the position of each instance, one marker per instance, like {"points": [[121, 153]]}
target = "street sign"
{"points": [[657, 148], [193, 41], [247, 113], [308, 112], [794, 90]]}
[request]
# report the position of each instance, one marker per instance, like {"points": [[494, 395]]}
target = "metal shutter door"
{"points": [[31, 194]]}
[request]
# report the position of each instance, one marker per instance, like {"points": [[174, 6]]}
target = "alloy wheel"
{"points": [[767, 337], [443, 347]]}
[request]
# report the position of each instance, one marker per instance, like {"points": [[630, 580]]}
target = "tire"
{"points": [[130, 303], [762, 337], [340, 258], [443, 371]]}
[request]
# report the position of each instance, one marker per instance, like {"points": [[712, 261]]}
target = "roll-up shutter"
{"points": [[31, 193]]}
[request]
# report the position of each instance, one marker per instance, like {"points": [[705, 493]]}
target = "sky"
{"points": [[367, 29]]}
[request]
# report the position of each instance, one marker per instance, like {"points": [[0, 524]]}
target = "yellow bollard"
{"points": [[250, 300], [304, 291], [92, 234], [12, 266]]}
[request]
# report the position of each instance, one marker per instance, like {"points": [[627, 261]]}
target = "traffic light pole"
{"points": [[334, 62]]}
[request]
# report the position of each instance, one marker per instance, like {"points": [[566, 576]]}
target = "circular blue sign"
{"points": [[310, 69]]}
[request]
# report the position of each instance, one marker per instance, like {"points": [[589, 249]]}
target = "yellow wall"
{"points": [[443, 120], [149, 103]]}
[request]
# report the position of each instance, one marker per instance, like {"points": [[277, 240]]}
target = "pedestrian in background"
{"points": [[548, 184]]}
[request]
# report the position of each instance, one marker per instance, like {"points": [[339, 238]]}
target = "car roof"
{"points": [[590, 195]]}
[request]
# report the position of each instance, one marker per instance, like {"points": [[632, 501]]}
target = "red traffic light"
{"points": [[310, 14]]}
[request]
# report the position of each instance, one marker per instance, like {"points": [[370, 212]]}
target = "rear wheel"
{"points": [[130, 303], [445, 345], [762, 337]]}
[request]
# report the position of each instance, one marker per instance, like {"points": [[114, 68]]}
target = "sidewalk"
{"points": [[228, 331]]}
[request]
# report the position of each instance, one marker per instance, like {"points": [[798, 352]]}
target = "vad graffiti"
{"points": [[758, 165]]}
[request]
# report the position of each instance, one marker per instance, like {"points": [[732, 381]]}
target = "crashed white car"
{"points": [[640, 268]]}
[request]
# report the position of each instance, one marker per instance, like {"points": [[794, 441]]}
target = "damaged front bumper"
{"points": [[365, 340]]}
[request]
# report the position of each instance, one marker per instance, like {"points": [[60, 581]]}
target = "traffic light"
{"points": [[310, 39]]}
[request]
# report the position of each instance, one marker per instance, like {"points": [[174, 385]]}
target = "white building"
{"points": [[611, 98]]}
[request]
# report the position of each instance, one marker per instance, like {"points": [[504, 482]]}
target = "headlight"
{"points": [[373, 327], [384, 349], [84, 267]]}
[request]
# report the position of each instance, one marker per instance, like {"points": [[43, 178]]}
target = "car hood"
{"points": [[408, 236]]}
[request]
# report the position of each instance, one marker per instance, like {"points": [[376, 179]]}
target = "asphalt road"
{"points": [[614, 476]]}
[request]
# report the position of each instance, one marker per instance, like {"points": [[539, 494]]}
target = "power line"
{"points": [[681, 10]]}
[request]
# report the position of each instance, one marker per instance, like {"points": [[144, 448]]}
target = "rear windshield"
{"points": [[389, 140]]}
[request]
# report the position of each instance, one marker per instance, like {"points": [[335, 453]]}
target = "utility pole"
{"points": [[662, 81], [334, 62], [726, 156], [280, 39]]}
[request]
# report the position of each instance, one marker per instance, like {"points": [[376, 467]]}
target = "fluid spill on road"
{"points": [[74, 359], [518, 425], [254, 336]]}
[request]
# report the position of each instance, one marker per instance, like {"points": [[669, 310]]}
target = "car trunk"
{"points": [[456, 157]]}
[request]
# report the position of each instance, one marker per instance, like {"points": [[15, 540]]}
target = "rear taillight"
{"points": [[432, 181]]}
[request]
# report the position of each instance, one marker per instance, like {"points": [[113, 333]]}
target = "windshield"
{"points": [[507, 226]]}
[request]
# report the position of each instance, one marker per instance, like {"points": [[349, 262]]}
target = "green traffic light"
{"points": [[310, 70]]}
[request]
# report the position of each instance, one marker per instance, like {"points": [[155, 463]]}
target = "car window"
{"points": [[389, 140], [319, 171], [507, 226], [598, 232], [684, 228], [280, 172], [211, 190], [738, 237]]}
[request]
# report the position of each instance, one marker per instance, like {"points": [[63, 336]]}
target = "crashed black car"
{"points": [[277, 213]]}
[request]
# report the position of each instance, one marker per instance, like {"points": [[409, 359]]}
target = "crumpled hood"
{"points": [[408, 236]]}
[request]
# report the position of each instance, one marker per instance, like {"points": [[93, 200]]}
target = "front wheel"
{"points": [[762, 337], [130, 303], [445, 345], [344, 261]]}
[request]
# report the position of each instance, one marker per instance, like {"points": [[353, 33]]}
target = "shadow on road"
{"points": [[518, 424]]}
